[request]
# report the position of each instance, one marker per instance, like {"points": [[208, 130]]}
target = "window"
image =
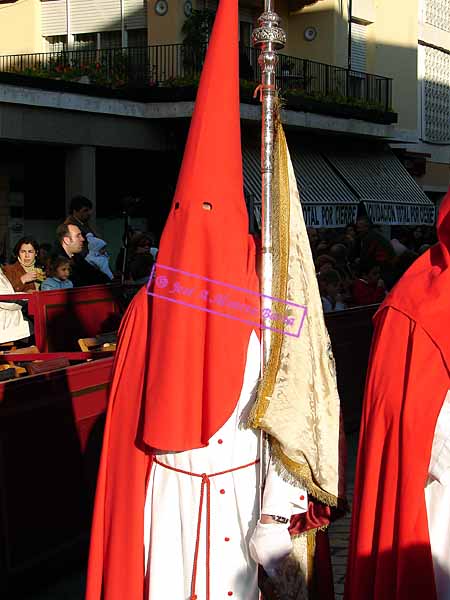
{"points": [[56, 43], [359, 46], [85, 41], [357, 76], [111, 39], [435, 96], [245, 33], [137, 38]]}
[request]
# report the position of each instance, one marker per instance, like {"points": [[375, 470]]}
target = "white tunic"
{"points": [[13, 326], [172, 509], [437, 497], [172, 506]]}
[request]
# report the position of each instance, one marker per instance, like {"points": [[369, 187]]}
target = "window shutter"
{"points": [[359, 47], [135, 14], [54, 18], [95, 15]]}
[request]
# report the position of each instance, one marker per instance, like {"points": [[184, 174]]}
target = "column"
{"points": [[80, 174], [4, 217]]}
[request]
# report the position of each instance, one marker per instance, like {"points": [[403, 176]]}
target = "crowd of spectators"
{"points": [[357, 266], [78, 257]]}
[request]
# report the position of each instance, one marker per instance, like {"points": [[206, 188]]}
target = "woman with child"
{"points": [[24, 274]]}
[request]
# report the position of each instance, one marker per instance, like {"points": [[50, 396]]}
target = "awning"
{"points": [[333, 181], [379, 179], [326, 200]]}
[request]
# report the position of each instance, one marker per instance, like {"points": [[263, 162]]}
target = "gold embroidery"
{"points": [[280, 237], [297, 402]]}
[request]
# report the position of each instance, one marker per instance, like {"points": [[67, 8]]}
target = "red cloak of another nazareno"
{"points": [[173, 389], [390, 555]]}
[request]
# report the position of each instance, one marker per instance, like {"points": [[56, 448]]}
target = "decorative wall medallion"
{"points": [[161, 7], [310, 34], [188, 8]]}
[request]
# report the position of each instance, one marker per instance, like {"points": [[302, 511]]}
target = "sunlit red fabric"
{"points": [[390, 554], [174, 388], [198, 359]]}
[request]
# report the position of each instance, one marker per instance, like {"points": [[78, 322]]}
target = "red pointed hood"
{"points": [[197, 359], [177, 381], [423, 293]]}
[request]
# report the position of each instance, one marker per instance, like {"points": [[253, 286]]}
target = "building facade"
{"points": [[434, 94], [28, 26], [359, 77]]}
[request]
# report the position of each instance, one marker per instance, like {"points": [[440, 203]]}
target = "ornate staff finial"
{"points": [[269, 30]]}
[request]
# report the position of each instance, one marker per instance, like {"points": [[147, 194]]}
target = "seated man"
{"points": [[13, 325], [70, 243], [80, 212]]}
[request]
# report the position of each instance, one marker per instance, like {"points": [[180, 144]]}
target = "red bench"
{"points": [[61, 317]]}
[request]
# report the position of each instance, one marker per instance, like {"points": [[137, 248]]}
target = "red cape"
{"points": [[390, 556], [116, 559]]}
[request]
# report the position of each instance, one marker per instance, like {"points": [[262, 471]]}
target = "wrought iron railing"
{"points": [[178, 64]]}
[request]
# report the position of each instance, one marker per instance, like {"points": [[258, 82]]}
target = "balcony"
{"points": [[171, 73]]}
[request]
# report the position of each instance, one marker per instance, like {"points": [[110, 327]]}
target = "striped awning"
{"points": [[332, 183], [326, 200], [379, 179]]}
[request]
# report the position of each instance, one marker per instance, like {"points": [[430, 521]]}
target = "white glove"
{"points": [[269, 545]]}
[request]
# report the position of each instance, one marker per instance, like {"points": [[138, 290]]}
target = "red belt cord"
{"points": [[205, 483]]}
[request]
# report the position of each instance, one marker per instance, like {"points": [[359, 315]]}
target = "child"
{"points": [[97, 255], [329, 286], [369, 288], [58, 274]]}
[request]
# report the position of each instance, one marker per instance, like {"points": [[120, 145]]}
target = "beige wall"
{"points": [[392, 52], [166, 29], [20, 27], [322, 16], [364, 10], [436, 176], [392, 33], [392, 30]]}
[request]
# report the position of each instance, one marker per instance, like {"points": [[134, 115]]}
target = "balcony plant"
{"points": [[336, 104], [196, 30]]}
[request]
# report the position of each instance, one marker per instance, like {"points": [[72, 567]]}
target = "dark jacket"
{"points": [[82, 273]]}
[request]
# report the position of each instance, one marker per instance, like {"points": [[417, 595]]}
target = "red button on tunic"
{"points": [[220, 441], [222, 491], [230, 593], [227, 539], [302, 497]]}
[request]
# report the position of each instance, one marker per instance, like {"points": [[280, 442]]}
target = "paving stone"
{"points": [[339, 532]]}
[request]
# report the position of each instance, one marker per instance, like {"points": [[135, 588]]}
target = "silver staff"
{"points": [[269, 38]]}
